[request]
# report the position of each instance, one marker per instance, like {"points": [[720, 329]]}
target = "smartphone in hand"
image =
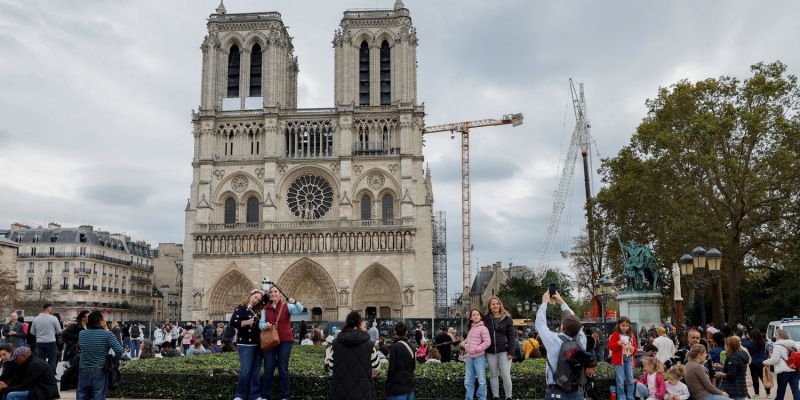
{"points": [[552, 289]]}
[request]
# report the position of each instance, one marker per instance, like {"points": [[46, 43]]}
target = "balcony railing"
{"points": [[123, 291], [80, 271], [140, 279], [355, 223], [94, 288], [374, 148], [142, 308], [47, 287], [90, 256], [63, 287], [116, 290], [79, 287], [139, 293], [28, 287], [103, 289]]}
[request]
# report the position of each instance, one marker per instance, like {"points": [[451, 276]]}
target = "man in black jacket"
{"points": [[443, 341], [400, 377], [38, 382]]}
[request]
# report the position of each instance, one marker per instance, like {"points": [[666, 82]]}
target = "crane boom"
{"points": [[580, 139], [466, 229]]}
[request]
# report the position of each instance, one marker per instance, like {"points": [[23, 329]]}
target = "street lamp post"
{"points": [[604, 287], [527, 306], [693, 267]]}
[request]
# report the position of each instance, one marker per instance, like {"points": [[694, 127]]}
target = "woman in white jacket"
{"points": [[784, 374]]}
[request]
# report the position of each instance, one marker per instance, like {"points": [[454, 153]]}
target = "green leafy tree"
{"points": [[715, 161], [519, 290]]}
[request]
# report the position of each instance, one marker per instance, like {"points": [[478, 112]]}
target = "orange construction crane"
{"points": [[463, 128]]}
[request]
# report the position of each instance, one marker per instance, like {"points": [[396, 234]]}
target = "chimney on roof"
{"points": [[53, 225], [87, 228]]}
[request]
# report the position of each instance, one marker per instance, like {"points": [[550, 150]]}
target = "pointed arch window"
{"points": [[386, 74], [252, 210], [366, 207], [255, 71], [363, 74], [230, 211], [388, 206], [233, 71]]}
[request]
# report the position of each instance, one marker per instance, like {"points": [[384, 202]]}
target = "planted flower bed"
{"points": [[214, 376]]}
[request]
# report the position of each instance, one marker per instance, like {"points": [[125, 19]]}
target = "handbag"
{"points": [[769, 383], [112, 368], [269, 337]]}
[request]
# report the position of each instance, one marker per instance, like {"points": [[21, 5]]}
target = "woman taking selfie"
{"points": [[504, 344], [245, 320], [278, 356]]}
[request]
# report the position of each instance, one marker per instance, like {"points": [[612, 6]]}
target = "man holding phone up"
{"points": [[570, 331]]}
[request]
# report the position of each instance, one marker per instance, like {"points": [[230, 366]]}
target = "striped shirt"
{"points": [[95, 344]]}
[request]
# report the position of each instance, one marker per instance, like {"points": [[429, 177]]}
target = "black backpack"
{"points": [[570, 372], [135, 332]]}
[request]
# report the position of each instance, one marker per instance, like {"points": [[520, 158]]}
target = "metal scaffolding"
{"points": [[440, 262]]}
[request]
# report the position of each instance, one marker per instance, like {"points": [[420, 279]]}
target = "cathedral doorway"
{"points": [[313, 287], [376, 293], [229, 291]]}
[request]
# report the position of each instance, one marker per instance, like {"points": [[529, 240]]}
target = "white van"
{"points": [[791, 325]]}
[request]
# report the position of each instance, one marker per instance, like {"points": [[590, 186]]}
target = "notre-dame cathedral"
{"points": [[333, 204]]}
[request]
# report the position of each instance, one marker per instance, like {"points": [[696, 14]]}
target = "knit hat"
{"points": [[571, 323], [20, 351]]}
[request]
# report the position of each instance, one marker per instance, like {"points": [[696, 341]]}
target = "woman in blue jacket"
{"points": [[504, 344], [757, 347]]}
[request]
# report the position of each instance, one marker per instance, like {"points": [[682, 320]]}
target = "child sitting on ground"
{"points": [[676, 390], [652, 383], [591, 389]]}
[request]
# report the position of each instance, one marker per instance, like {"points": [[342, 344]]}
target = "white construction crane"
{"points": [[580, 139], [466, 224]]}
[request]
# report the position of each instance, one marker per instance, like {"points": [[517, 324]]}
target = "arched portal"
{"points": [[313, 287], [228, 292], [377, 292]]}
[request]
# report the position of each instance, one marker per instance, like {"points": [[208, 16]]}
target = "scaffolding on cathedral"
{"points": [[440, 262]]}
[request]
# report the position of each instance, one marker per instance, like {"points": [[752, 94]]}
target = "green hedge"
{"points": [[214, 376]]}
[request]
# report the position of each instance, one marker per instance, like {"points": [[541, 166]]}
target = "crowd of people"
{"points": [[710, 364]]}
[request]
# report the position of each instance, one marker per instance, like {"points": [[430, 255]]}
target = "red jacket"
{"points": [[661, 387], [284, 326], [616, 349]]}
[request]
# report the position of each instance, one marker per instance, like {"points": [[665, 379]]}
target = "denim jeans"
{"points": [[500, 361], [642, 391], [48, 352], [279, 356], [136, 347], [250, 369], [126, 343], [713, 397], [625, 378], [475, 368], [92, 384], [406, 396], [790, 378], [21, 395], [556, 393]]}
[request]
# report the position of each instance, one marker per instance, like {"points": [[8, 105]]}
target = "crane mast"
{"points": [[466, 223], [580, 139]]}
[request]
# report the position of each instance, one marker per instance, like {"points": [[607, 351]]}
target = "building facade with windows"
{"points": [[80, 268], [168, 277], [331, 203]]}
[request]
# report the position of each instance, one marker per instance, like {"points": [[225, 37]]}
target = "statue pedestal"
{"points": [[643, 308]]}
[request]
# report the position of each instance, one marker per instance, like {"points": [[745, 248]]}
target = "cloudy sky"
{"points": [[95, 99]]}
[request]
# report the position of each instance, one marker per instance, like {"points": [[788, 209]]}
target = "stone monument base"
{"points": [[643, 308]]}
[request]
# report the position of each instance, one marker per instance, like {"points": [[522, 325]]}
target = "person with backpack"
{"points": [[784, 352], [135, 332], [622, 344], [209, 332], [400, 376], [531, 347], [475, 345], [504, 344], [563, 382]]}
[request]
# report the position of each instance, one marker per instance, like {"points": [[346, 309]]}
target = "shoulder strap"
{"points": [[280, 310], [409, 348]]}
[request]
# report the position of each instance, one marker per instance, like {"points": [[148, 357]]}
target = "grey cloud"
{"points": [[118, 194]]}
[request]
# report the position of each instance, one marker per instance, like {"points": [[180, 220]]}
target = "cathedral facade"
{"points": [[333, 204]]}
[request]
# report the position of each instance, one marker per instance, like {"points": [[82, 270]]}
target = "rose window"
{"points": [[310, 197]]}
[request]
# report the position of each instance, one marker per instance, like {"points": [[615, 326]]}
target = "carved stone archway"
{"points": [[312, 286], [228, 292], [377, 287]]}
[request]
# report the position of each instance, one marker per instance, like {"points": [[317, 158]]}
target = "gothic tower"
{"points": [[330, 203]]}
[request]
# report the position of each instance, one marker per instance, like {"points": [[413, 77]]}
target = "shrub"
{"points": [[214, 376]]}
